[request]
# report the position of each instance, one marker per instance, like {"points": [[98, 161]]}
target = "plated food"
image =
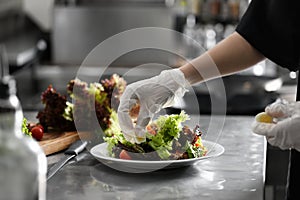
{"points": [[166, 139], [100, 152]]}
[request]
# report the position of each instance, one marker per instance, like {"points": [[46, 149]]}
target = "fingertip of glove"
{"points": [[262, 128], [140, 140], [130, 138], [278, 109], [254, 126]]}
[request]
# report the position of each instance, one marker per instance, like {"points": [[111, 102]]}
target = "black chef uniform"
{"points": [[273, 28]]}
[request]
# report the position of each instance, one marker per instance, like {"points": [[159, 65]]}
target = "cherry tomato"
{"points": [[39, 125], [37, 133], [124, 155]]}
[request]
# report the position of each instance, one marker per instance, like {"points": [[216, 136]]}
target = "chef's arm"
{"points": [[231, 55]]}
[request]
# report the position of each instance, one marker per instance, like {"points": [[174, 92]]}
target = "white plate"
{"points": [[140, 166]]}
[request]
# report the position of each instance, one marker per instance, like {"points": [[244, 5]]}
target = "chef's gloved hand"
{"points": [[152, 94], [284, 132]]}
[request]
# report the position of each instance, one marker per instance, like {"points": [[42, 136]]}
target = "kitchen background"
{"points": [[44, 42]]}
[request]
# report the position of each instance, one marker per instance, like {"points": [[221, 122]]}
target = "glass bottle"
{"points": [[23, 164]]}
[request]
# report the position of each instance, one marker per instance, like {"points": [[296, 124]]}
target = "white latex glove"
{"points": [[285, 132], [153, 94]]}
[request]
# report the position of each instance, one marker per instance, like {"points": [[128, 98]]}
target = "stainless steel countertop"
{"points": [[237, 174]]}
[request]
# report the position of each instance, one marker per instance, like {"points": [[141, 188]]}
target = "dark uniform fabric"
{"points": [[273, 28]]}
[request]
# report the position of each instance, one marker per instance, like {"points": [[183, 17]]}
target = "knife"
{"points": [[70, 153]]}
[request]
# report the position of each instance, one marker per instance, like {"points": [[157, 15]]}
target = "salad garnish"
{"points": [[166, 139]]}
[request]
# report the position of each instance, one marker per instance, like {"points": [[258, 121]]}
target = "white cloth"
{"points": [[153, 94]]}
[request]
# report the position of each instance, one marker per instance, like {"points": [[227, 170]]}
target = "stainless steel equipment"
{"points": [[78, 28]]}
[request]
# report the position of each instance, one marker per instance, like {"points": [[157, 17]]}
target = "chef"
{"points": [[269, 29]]}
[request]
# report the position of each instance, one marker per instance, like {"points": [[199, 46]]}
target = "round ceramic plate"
{"points": [[140, 166]]}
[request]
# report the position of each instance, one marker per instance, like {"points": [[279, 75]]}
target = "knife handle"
{"points": [[76, 147]]}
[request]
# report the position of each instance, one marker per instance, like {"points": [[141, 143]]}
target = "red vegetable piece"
{"points": [[39, 125], [37, 133], [124, 155]]}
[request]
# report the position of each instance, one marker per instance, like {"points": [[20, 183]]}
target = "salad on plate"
{"points": [[166, 139]]}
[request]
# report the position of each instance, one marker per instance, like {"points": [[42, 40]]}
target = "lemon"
{"points": [[264, 117]]}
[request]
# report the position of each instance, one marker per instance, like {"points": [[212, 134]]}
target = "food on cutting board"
{"points": [[57, 115], [166, 139], [33, 130], [264, 117], [37, 132], [25, 128]]}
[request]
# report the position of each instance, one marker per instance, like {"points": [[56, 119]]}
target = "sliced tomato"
{"points": [[197, 144], [151, 130], [124, 155]]}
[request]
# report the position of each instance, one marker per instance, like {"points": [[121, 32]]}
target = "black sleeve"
{"points": [[273, 28]]}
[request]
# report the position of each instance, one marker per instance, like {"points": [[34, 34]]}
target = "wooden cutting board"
{"points": [[55, 142]]}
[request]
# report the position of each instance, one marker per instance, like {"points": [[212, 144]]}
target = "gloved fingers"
{"points": [[159, 96], [270, 131], [280, 136], [273, 142], [262, 128], [278, 109], [127, 101], [140, 134], [284, 134], [126, 125], [164, 98], [170, 101], [294, 108], [130, 137], [143, 119], [279, 142]]}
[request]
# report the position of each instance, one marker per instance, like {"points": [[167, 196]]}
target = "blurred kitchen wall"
{"points": [[80, 26], [40, 11]]}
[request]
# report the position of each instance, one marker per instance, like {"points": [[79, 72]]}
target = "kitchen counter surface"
{"points": [[237, 174]]}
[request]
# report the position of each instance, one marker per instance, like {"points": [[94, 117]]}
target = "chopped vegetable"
{"points": [[25, 128], [53, 114], [168, 128], [58, 112], [124, 155], [166, 138]]}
